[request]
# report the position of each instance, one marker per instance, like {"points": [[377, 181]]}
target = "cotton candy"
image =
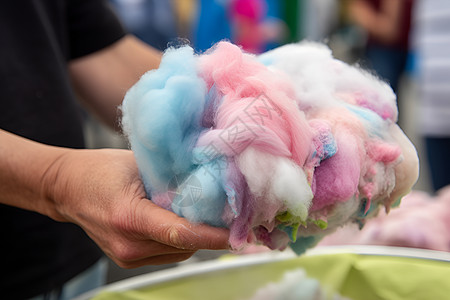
{"points": [[282, 148]]}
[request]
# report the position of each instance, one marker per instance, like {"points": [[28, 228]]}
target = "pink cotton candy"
{"points": [[337, 178], [257, 109], [380, 151], [257, 103], [422, 221]]}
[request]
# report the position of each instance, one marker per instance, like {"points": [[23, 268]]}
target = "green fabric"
{"points": [[355, 276], [292, 12]]}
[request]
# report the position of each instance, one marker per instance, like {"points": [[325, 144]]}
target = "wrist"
{"points": [[54, 184], [29, 174]]}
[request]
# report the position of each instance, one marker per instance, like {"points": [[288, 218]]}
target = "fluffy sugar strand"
{"points": [[282, 148]]}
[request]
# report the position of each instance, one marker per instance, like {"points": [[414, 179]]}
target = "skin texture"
{"points": [[100, 190]]}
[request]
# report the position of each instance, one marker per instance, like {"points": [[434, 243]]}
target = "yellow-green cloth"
{"points": [[359, 277]]}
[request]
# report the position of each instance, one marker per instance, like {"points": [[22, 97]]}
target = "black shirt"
{"points": [[37, 39]]}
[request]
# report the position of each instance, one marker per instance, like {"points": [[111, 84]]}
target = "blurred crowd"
{"points": [[256, 25]]}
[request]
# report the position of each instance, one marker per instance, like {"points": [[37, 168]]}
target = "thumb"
{"points": [[167, 228]]}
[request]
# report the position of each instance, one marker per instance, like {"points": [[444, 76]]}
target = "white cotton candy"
{"points": [[278, 180], [291, 186]]}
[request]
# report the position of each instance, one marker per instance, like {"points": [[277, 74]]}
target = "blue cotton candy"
{"points": [[162, 116], [201, 197]]}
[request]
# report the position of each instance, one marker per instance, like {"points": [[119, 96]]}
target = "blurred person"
{"points": [[212, 23], [61, 204], [320, 19], [251, 24], [387, 23], [432, 45], [252, 29], [185, 11]]}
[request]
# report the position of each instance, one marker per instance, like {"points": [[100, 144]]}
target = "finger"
{"points": [[168, 228], [130, 251], [155, 260]]}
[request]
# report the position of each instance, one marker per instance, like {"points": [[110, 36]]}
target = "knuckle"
{"points": [[123, 253], [118, 221], [123, 224]]}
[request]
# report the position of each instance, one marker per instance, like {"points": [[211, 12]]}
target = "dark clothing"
{"points": [[389, 60], [38, 39], [437, 149], [388, 63]]}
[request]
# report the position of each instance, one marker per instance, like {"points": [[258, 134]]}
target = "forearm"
{"points": [[25, 168], [102, 78]]}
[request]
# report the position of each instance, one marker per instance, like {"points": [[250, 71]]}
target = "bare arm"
{"points": [[103, 78], [384, 25], [99, 190], [24, 166]]}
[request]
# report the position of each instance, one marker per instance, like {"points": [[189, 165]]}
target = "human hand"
{"points": [[101, 191]]}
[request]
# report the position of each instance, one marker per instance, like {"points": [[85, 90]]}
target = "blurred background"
{"points": [[404, 42]]}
